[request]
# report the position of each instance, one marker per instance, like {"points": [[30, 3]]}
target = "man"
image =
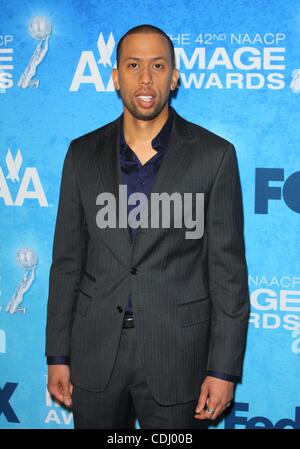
{"points": [[146, 323]]}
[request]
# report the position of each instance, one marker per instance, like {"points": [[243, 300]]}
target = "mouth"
{"points": [[146, 101]]}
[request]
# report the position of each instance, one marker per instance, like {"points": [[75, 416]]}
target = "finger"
{"points": [[206, 413], [217, 412], [222, 410], [212, 406], [225, 408], [202, 400], [66, 394], [202, 416]]}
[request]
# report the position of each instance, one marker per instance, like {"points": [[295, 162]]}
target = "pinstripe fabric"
{"points": [[190, 297], [128, 398]]}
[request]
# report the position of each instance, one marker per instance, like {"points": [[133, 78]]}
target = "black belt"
{"points": [[128, 320]]}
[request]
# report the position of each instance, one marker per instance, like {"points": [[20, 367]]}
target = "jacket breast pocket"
{"points": [[194, 312]]}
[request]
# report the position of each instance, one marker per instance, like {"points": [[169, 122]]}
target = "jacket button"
{"points": [[133, 270], [119, 308]]}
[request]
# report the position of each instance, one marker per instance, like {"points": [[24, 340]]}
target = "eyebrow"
{"points": [[140, 59]]}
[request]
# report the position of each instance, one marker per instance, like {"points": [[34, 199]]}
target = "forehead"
{"points": [[145, 45]]}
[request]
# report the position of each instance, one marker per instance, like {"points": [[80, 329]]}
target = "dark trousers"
{"points": [[127, 398]]}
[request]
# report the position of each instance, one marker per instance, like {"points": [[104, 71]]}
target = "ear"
{"points": [[174, 79], [115, 77]]}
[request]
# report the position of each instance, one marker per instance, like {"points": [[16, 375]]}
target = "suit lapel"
{"points": [[108, 161]]}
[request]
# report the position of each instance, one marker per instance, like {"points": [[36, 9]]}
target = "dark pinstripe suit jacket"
{"points": [[190, 297]]}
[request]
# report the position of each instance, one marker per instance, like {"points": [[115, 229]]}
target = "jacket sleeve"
{"points": [[228, 277], [68, 259]]}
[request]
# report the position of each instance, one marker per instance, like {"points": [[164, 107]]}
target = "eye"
{"points": [[158, 66], [133, 65]]}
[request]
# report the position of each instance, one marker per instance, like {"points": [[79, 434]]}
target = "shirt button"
{"points": [[133, 270], [119, 308]]}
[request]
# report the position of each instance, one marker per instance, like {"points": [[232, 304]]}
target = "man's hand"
{"points": [[216, 395], [59, 384]]}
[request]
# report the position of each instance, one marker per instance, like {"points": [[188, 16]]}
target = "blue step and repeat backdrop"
{"points": [[240, 78]]}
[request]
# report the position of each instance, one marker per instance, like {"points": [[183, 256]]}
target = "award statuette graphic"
{"points": [[27, 259], [295, 84], [40, 28]]}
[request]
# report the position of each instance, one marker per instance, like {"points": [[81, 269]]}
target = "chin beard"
{"points": [[146, 115]]}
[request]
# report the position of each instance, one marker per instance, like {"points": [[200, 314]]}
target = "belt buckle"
{"points": [[128, 321]]}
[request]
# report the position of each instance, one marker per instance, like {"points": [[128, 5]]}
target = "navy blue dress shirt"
{"points": [[140, 178]]}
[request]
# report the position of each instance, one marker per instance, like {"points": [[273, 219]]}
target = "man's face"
{"points": [[145, 75]]}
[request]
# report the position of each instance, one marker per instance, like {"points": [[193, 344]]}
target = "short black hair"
{"points": [[147, 29]]}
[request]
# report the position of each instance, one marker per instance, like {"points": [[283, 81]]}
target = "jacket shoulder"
{"points": [[205, 135]]}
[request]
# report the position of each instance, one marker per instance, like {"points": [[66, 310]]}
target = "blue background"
{"points": [[263, 124]]}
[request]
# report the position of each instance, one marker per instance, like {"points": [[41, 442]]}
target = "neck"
{"points": [[143, 131]]}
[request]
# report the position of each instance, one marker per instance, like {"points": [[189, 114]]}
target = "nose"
{"points": [[145, 76]]}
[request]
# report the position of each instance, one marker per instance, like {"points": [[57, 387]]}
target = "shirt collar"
{"points": [[159, 142]]}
